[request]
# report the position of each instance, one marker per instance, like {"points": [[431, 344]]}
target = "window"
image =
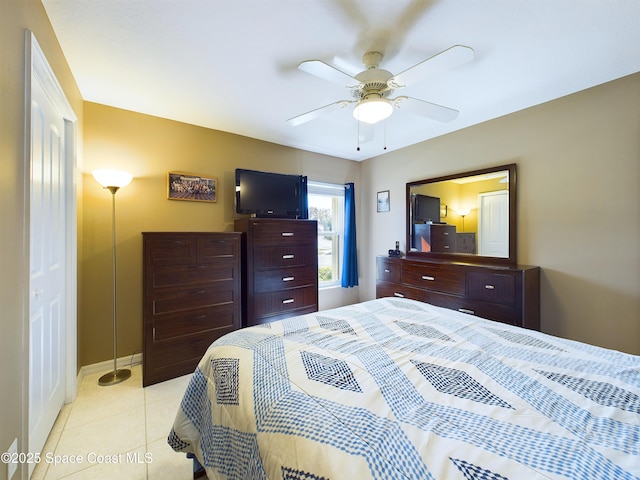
{"points": [[326, 205]]}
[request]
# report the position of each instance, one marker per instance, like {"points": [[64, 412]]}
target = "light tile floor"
{"points": [[118, 431]]}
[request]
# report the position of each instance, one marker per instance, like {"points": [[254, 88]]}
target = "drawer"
{"points": [[492, 287], [283, 314], [284, 278], [434, 277], [178, 356], [190, 322], [384, 289], [216, 249], [278, 257], [387, 271], [182, 276], [293, 232], [443, 238], [160, 250], [491, 311], [267, 304], [447, 245], [176, 300]]}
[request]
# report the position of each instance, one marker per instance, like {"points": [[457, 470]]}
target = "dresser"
{"points": [[280, 273], [434, 237], [466, 243], [192, 296], [504, 294]]}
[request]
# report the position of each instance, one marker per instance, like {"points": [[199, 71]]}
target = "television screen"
{"points": [[266, 194], [426, 209]]}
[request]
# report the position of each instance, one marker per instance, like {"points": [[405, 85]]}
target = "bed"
{"points": [[398, 389]]}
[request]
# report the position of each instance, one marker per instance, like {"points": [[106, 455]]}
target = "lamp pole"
{"points": [[121, 375]]}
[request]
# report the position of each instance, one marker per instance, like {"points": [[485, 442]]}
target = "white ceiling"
{"points": [[232, 65]]}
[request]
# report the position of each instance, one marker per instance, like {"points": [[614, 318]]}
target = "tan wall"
{"points": [[15, 17], [578, 205], [149, 147]]}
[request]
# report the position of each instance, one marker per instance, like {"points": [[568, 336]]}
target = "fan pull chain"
{"points": [[385, 135], [358, 148]]}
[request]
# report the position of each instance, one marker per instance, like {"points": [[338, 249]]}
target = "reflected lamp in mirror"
{"points": [[463, 213]]}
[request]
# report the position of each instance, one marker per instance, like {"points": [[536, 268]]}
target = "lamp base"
{"points": [[115, 377]]}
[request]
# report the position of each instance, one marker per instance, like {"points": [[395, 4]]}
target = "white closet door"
{"points": [[493, 224], [47, 267]]}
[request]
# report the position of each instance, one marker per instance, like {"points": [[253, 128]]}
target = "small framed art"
{"points": [[195, 188], [383, 201]]}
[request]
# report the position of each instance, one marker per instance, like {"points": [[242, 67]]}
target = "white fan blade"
{"points": [[426, 109], [451, 57], [318, 112], [328, 72]]}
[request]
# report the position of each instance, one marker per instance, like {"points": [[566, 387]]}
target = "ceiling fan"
{"points": [[372, 88]]}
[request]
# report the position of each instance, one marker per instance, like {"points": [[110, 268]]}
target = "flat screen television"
{"points": [[426, 209], [270, 195]]}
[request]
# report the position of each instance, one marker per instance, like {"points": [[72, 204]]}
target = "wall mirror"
{"points": [[468, 217]]}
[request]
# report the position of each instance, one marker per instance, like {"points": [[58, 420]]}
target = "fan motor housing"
{"points": [[373, 81]]}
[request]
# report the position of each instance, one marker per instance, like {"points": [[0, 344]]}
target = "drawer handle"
{"points": [[446, 246], [466, 310], [288, 257], [288, 300], [396, 294], [489, 287], [287, 234], [386, 270], [288, 279], [446, 233], [427, 277]]}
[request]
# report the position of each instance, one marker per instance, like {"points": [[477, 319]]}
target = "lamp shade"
{"points": [[372, 110], [463, 212], [112, 178]]}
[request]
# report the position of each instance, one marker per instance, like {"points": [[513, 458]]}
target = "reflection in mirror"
{"points": [[470, 215]]}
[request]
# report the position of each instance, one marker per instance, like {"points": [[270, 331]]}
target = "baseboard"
{"points": [[107, 365]]}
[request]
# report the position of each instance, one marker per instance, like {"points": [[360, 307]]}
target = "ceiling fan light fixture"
{"points": [[372, 110]]}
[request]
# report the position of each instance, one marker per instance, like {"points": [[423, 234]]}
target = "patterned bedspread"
{"points": [[398, 389]]}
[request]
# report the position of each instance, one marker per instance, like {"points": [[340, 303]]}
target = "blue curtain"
{"points": [[350, 259], [304, 198]]}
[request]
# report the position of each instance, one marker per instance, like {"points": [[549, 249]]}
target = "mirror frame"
{"points": [[461, 257]]}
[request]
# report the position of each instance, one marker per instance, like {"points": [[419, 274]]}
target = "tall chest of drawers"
{"points": [[435, 237], [280, 274], [504, 294], [192, 296]]}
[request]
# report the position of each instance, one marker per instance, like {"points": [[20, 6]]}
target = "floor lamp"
{"points": [[113, 180], [463, 213]]}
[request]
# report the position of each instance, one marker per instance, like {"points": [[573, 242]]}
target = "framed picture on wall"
{"points": [[195, 188], [383, 201]]}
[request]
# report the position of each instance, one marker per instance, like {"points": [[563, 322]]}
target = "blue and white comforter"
{"points": [[398, 389]]}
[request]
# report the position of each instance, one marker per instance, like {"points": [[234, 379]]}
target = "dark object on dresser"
{"points": [[191, 298], [280, 274], [505, 294], [466, 243], [435, 237]]}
